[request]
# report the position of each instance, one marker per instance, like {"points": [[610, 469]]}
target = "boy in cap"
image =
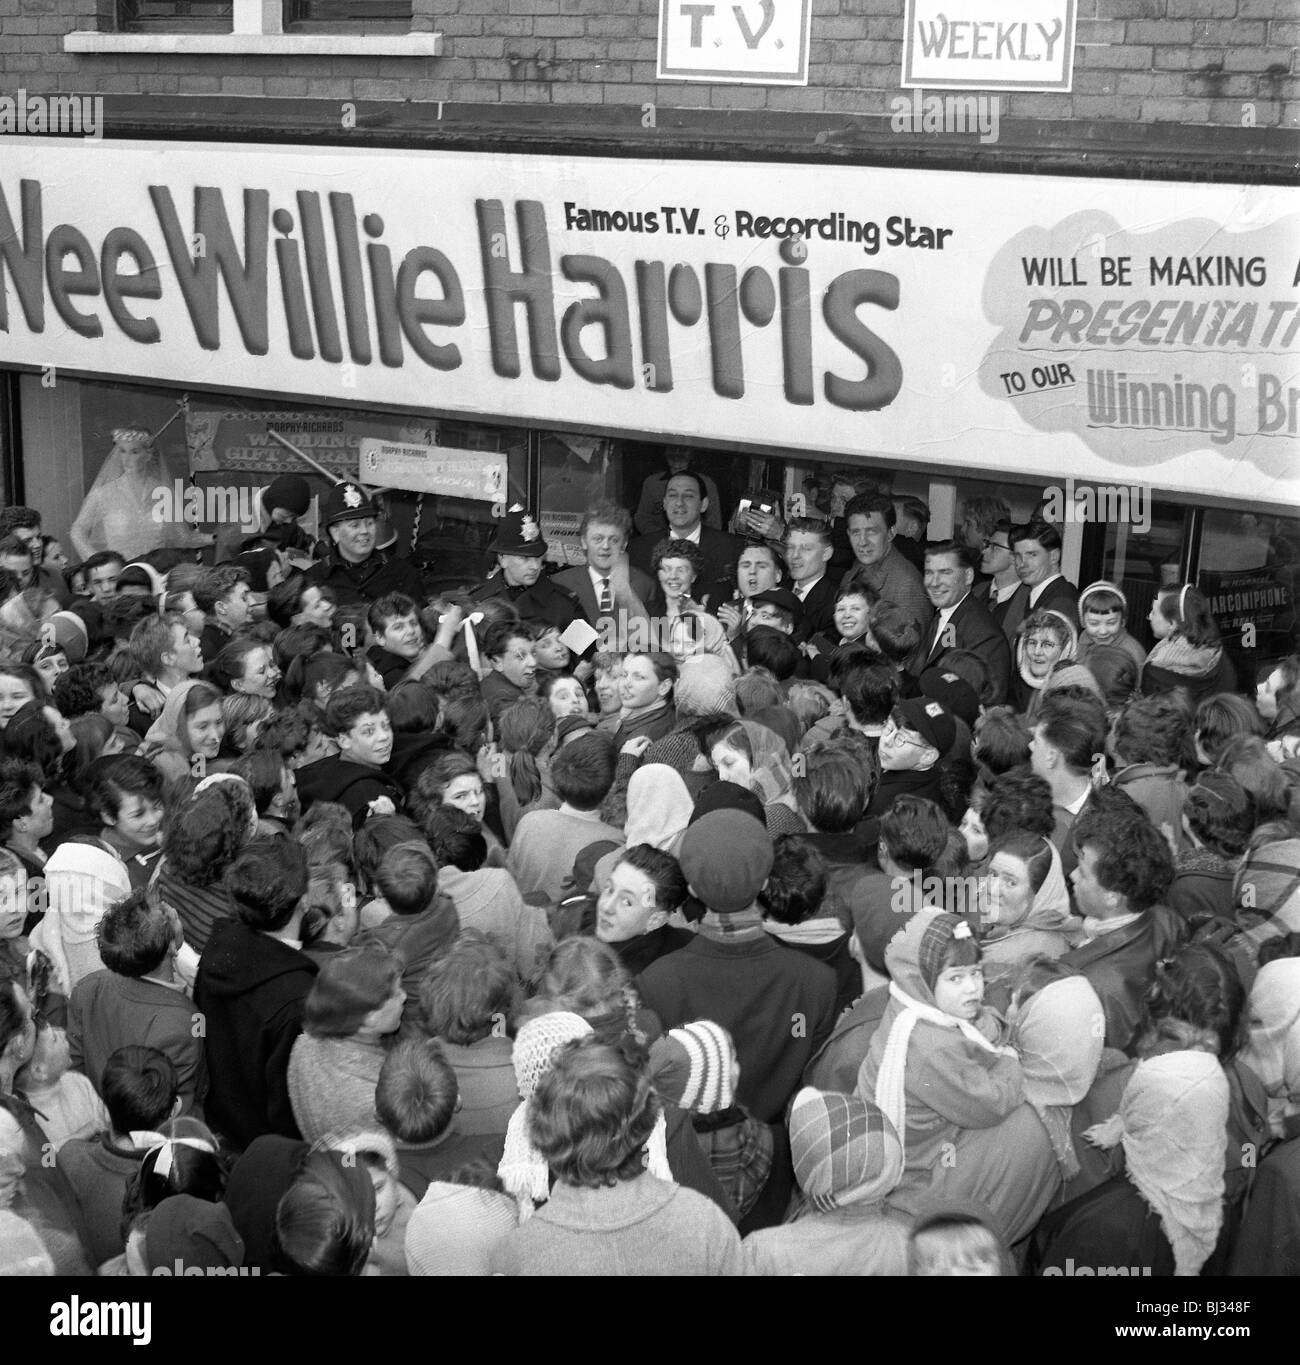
{"points": [[918, 734], [355, 568], [778, 1005], [518, 577]]}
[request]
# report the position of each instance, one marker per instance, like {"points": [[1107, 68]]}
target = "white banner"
{"points": [[989, 44], [749, 42], [1115, 331]]}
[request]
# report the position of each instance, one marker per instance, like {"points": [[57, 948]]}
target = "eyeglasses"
{"points": [[995, 545], [892, 734]]}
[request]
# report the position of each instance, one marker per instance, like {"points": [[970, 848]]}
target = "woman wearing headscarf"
{"points": [[1164, 1214], [186, 738], [756, 758], [115, 513], [1024, 904], [1273, 1050], [1045, 640]]}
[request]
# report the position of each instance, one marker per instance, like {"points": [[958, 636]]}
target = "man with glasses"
{"points": [[998, 578], [872, 520], [916, 739]]}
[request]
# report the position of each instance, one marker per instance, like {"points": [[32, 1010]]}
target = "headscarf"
{"points": [[1049, 911], [707, 636], [1173, 1123], [168, 734], [523, 1169], [843, 1148], [771, 777], [659, 807], [781, 721], [1067, 656], [1059, 1035], [1273, 1052], [913, 960]]}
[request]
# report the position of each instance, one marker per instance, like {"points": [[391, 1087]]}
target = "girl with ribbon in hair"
{"points": [[1187, 652]]}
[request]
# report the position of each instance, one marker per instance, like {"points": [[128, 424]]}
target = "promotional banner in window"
{"points": [[1111, 331]]}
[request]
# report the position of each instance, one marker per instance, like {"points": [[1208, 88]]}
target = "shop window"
{"points": [[1248, 569], [146, 16], [308, 12], [154, 16]]}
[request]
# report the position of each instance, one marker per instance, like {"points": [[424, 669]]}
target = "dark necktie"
{"points": [[606, 603]]}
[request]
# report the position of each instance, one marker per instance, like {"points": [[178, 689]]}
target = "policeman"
{"points": [[354, 568], [518, 577]]}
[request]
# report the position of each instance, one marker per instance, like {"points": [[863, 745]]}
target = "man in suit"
{"points": [[808, 550], [685, 503], [963, 622], [607, 587], [1036, 548], [1124, 871]]}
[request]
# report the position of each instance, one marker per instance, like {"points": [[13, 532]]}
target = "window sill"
{"points": [[257, 45]]}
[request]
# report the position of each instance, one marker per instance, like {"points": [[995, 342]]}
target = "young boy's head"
{"points": [[583, 772], [417, 1095], [356, 719], [549, 651], [955, 1244], [1101, 612], [139, 1088], [796, 885], [408, 877], [645, 887], [395, 622]]}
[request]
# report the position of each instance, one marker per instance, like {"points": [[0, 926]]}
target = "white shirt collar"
{"points": [[802, 593], [1036, 593]]}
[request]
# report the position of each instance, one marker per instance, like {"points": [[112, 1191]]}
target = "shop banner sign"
{"points": [[1119, 333], [475, 474], [989, 44], [748, 42]]}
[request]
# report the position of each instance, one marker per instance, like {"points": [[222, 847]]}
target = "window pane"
{"points": [[1249, 565]]}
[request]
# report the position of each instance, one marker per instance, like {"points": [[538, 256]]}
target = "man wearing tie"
{"points": [[963, 621], [1036, 549], [607, 584]]}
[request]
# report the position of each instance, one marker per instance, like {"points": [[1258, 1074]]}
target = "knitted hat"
{"points": [[517, 534], [21, 1250], [1102, 585], [929, 719], [290, 491], [347, 502], [705, 686], [726, 857], [952, 692], [536, 1043], [693, 1065], [844, 1150], [718, 796], [937, 952], [193, 1232]]}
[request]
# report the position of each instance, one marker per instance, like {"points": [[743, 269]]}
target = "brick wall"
{"points": [[1226, 63]]}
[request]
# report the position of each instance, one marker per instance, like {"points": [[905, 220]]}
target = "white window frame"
{"points": [[257, 30]]}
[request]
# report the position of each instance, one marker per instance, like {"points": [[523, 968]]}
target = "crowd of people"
{"points": [[801, 897]]}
